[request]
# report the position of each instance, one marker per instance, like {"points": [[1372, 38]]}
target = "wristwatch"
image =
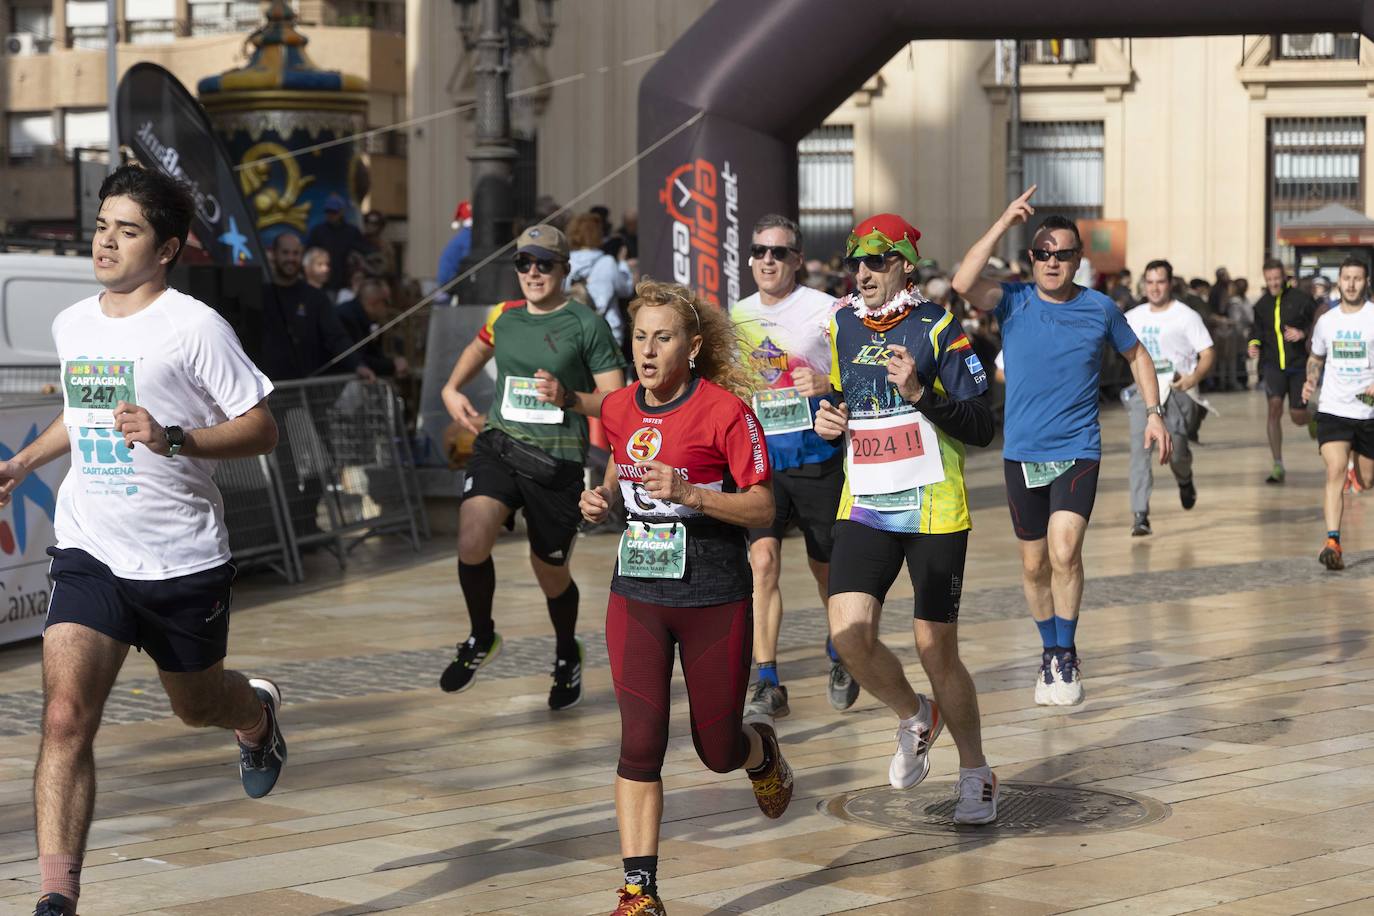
{"points": [[1157, 410], [176, 438], [569, 399]]}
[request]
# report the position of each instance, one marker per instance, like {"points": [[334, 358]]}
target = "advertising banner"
{"points": [[26, 525]]}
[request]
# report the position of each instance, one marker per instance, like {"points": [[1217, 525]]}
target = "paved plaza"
{"points": [[1223, 761]]}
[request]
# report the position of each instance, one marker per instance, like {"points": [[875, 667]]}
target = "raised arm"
{"points": [[984, 293]]}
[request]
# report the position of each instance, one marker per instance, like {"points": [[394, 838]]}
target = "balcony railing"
{"points": [[1318, 46], [1057, 51]]}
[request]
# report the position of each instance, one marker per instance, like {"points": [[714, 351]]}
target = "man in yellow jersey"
{"points": [[911, 389], [1283, 321]]}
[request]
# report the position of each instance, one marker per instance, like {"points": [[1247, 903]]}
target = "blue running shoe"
{"points": [[259, 767]]}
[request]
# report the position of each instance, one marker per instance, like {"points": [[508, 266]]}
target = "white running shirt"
{"points": [[1174, 337], [145, 516], [1347, 343]]}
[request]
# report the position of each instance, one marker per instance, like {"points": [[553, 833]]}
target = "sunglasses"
{"points": [[1062, 255], [544, 265], [779, 252], [874, 262]]}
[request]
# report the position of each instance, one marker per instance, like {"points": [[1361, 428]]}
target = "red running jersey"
{"points": [[714, 441]]}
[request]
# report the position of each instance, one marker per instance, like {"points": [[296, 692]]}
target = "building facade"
{"points": [[1194, 149], [53, 84]]}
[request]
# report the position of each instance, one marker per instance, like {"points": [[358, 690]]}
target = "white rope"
{"points": [[596, 186]]}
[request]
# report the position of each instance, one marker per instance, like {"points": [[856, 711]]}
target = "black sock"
{"points": [[478, 582], [563, 613], [642, 871]]}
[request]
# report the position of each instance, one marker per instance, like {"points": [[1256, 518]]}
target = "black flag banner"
{"points": [[167, 129]]}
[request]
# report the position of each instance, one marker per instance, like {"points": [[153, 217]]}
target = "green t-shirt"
{"points": [[573, 343]]}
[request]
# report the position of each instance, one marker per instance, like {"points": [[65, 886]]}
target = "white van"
{"points": [[33, 289]]}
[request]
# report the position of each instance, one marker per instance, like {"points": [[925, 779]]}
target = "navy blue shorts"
{"points": [[182, 623]]}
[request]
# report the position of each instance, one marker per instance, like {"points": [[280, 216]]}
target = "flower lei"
{"points": [[888, 314]]}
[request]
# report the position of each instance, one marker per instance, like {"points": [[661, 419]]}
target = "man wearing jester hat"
{"points": [[910, 391]]}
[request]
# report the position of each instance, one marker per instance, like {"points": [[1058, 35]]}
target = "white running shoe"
{"points": [[1068, 681], [1045, 678], [978, 793], [911, 763]]}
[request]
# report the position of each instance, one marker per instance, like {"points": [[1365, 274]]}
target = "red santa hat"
{"points": [[462, 216]]}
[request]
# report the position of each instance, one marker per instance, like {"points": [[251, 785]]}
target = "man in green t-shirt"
{"points": [[555, 362]]}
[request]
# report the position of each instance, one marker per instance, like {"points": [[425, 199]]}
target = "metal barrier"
{"points": [[342, 471]]}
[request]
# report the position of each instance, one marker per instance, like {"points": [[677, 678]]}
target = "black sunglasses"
{"points": [[545, 266], [1062, 255], [779, 251], [874, 262]]}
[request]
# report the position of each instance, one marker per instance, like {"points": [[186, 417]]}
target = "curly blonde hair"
{"points": [[719, 357]]}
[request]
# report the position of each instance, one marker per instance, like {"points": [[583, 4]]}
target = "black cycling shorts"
{"points": [[1359, 433], [182, 622], [1279, 383], [867, 560], [551, 513], [1075, 491], [808, 497]]}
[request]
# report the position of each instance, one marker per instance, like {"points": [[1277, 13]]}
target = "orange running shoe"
{"points": [[1330, 557], [1352, 482], [638, 901], [772, 787]]}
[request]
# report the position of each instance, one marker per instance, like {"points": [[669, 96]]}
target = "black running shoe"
{"points": [[1187, 494], [54, 905], [259, 767], [1141, 527], [470, 656], [566, 691]]}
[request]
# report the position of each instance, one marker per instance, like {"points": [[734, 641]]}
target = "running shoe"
{"points": [[843, 689], [639, 901], [566, 691], [1330, 557], [911, 763], [260, 766], [1068, 682], [54, 905], [768, 700], [459, 674], [1187, 494], [773, 786], [978, 791], [1045, 678], [1276, 475], [1141, 527], [1352, 482]]}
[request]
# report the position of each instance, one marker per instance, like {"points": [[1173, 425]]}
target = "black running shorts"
{"points": [[182, 623], [551, 513], [1279, 383], [808, 497], [1359, 433], [867, 560], [1075, 491]]}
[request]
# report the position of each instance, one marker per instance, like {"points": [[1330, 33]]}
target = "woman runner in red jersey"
{"points": [[689, 461]]}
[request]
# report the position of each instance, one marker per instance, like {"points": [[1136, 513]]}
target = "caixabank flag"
{"points": [[166, 128], [26, 527]]}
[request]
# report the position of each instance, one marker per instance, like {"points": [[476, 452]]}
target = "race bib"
{"points": [[782, 410], [1353, 354], [892, 455], [92, 387], [1164, 367], [1041, 473], [906, 501], [654, 551], [521, 403]]}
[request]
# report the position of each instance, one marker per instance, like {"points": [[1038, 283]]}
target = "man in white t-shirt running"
{"points": [[783, 340], [1343, 344], [157, 390], [1181, 348]]}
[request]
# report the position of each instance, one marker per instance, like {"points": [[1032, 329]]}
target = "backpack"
{"points": [[576, 285]]}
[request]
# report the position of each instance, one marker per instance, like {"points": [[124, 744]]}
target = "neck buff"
{"points": [[886, 316]]}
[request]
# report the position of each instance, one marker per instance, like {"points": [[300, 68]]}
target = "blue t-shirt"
{"points": [[1053, 355]]}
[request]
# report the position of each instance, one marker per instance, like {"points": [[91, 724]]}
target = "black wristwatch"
{"points": [[569, 399], [176, 438]]}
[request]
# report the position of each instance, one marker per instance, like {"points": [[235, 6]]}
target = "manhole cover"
{"points": [[1022, 808]]}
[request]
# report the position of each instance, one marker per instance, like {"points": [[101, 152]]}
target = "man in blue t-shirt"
{"points": [[1053, 334]]}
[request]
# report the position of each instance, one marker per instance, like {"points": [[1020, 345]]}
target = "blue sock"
{"points": [[1334, 535], [1065, 630], [830, 650], [768, 673], [1049, 635]]}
